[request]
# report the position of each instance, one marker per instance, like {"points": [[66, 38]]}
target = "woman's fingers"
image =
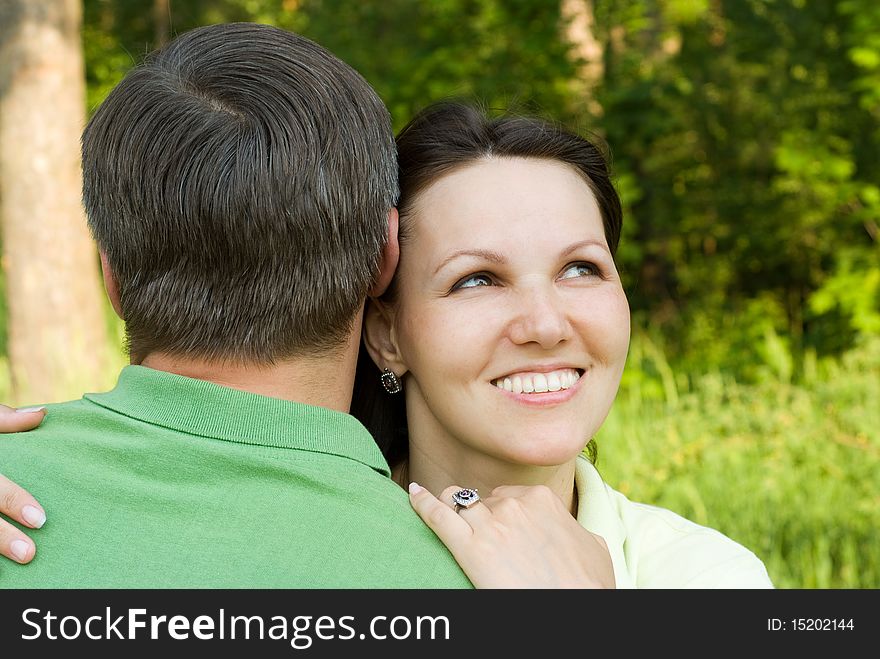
{"points": [[14, 544], [440, 517], [517, 537], [27, 418], [17, 503]]}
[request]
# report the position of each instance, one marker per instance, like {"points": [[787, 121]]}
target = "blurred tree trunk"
{"points": [[161, 22], [586, 50], [57, 331]]}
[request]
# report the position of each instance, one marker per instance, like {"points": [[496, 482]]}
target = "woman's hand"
{"points": [[15, 502], [518, 537]]}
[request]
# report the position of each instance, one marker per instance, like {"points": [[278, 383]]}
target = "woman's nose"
{"points": [[540, 317]]}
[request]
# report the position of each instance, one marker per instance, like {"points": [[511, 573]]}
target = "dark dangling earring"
{"points": [[390, 381]]}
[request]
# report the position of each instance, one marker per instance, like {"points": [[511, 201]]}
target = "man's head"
{"points": [[238, 184]]}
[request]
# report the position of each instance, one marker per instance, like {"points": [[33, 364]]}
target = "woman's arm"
{"points": [[15, 502], [518, 537]]}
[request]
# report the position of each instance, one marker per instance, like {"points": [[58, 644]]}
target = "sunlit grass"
{"points": [[792, 471]]}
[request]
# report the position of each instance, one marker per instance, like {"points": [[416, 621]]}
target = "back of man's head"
{"points": [[239, 182]]}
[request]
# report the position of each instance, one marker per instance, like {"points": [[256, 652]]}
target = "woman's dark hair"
{"points": [[440, 139]]}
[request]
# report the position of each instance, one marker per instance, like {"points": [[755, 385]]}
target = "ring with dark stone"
{"points": [[465, 498]]}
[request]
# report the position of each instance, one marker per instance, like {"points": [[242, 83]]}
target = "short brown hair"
{"points": [[239, 181]]}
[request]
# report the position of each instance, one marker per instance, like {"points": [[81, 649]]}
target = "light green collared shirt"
{"points": [[653, 547], [168, 481]]}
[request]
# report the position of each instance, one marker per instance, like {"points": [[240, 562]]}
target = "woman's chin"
{"points": [[543, 454]]}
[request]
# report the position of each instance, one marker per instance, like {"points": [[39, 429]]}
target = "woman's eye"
{"points": [[473, 281], [579, 270]]}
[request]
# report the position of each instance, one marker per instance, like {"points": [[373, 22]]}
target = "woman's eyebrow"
{"points": [[486, 254], [584, 243]]}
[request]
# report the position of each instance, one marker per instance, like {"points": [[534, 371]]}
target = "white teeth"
{"points": [[539, 382]]}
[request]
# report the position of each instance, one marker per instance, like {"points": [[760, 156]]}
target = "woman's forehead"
{"points": [[505, 196]]}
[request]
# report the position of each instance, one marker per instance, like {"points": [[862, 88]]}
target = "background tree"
{"points": [[746, 134], [57, 339]]}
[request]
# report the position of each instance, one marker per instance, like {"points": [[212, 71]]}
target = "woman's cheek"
{"points": [[428, 340], [604, 323]]}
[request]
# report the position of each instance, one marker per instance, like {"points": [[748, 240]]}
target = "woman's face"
{"points": [[511, 319]]}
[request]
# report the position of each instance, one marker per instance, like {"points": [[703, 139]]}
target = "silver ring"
{"points": [[465, 498]]}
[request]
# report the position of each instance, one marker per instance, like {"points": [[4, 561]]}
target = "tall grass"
{"points": [[789, 469]]}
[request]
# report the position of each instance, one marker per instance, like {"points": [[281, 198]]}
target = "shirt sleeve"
{"points": [[665, 550]]}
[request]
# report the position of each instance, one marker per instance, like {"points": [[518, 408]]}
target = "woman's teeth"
{"points": [[538, 383]]}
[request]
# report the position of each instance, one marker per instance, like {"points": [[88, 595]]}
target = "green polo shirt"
{"points": [[168, 481]]}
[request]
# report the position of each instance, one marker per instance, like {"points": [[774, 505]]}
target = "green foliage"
{"points": [[506, 54], [745, 129], [851, 292], [790, 471], [863, 42]]}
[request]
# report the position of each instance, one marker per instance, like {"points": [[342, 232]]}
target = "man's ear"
{"points": [[110, 284], [390, 257], [380, 338]]}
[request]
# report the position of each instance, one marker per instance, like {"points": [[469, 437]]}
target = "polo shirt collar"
{"points": [[598, 514], [205, 409]]}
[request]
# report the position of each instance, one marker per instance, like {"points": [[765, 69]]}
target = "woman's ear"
{"points": [[390, 257], [380, 337]]}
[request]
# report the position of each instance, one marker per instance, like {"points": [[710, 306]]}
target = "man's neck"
{"points": [[323, 381]]}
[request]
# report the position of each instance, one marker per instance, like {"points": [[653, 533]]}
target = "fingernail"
{"points": [[33, 516], [20, 549], [415, 488], [31, 410]]}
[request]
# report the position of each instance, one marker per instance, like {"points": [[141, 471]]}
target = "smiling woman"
{"points": [[508, 327], [507, 276]]}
